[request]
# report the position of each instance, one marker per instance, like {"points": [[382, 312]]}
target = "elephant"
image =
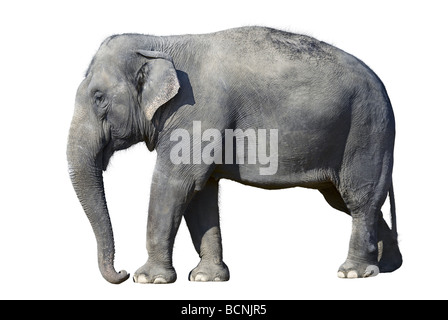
{"points": [[206, 103]]}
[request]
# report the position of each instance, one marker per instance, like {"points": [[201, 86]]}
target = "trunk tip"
{"points": [[116, 277]]}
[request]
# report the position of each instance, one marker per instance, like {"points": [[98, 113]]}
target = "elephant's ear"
{"points": [[157, 81]]}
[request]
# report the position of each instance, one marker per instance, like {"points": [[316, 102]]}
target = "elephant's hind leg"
{"points": [[362, 258], [389, 255], [364, 193], [202, 217]]}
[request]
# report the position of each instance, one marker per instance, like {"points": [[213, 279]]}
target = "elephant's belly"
{"points": [[296, 158], [315, 179], [309, 166]]}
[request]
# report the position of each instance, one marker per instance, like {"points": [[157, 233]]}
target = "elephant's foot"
{"points": [[152, 273], [352, 269], [210, 271]]}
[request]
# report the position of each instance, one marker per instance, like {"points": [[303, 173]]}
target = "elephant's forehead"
{"points": [[100, 80], [106, 62], [112, 55], [108, 66]]}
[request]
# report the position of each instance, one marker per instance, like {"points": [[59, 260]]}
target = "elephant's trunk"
{"points": [[84, 155]]}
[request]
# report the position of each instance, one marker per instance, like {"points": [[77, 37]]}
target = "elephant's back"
{"points": [[273, 43], [270, 50]]}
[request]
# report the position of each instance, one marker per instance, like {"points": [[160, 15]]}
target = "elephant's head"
{"points": [[115, 104]]}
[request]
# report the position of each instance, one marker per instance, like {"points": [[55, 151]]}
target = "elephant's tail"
{"points": [[393, 215]]}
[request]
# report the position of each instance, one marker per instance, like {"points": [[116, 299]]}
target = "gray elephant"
{"points": [[206, 104]]}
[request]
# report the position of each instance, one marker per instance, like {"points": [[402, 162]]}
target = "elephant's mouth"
{"points": [[112, 145]]}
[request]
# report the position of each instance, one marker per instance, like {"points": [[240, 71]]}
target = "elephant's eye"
{"points": [[99, 98], [100, 101]]}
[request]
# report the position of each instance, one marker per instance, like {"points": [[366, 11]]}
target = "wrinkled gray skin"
{"points": [[336, 135]]}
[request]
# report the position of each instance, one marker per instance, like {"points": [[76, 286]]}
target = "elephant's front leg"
{"points": [[202, 217], [169, 200]]}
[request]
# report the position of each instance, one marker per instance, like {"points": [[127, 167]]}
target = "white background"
{"points": [[285, 244]]}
